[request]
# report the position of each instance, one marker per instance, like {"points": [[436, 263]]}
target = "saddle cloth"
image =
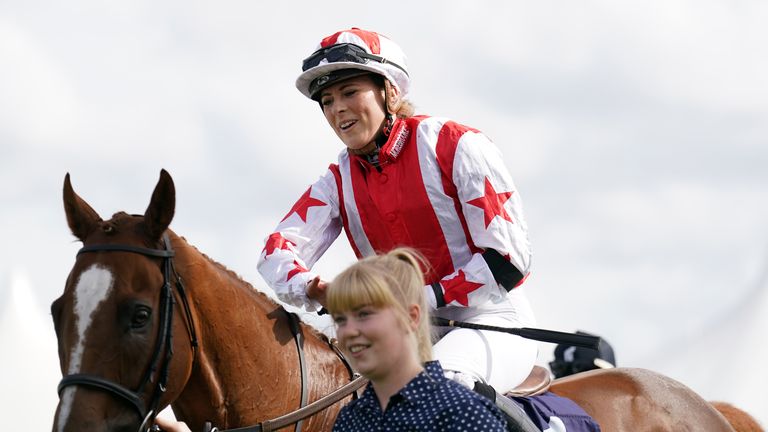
{"points": [[553, 413]]}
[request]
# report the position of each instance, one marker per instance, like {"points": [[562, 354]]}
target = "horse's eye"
{"points": [[140, 317]]}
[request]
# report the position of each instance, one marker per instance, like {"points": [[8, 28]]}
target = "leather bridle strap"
{"points": [[103, 384], [164, 343], [162, 253]]}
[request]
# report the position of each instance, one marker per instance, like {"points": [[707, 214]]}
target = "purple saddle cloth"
{"points": [[554, 413]]}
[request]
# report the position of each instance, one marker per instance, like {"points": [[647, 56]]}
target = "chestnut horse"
{"points": [[146, 320], [244, 369]]}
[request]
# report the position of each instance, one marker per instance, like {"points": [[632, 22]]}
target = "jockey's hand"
{"points": [[171, 425], [316, 290]]}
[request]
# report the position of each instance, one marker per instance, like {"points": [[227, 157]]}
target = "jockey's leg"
{"points": [[498, 359], [490, 362]]}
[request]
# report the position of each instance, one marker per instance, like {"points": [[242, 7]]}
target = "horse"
{"points": [[241, 367], [231, 356]]}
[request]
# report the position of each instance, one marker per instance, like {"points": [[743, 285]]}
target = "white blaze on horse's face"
{"points": [[92, 288]]}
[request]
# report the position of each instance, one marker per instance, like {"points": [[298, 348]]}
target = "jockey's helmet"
{"points": [[349, 53]]}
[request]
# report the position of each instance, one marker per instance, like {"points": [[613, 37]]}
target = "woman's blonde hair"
{"points": [[395, 280]]}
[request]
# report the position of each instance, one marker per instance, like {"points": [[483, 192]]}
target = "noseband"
{"points": [[156, 369]]}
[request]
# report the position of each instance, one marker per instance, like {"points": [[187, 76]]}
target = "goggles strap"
{"points": [[345, 52]]}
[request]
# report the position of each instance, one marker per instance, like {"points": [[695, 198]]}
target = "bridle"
{"points": [[157, 370]]}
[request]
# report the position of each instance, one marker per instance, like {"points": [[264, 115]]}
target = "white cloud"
{"points": [[38, 106]]}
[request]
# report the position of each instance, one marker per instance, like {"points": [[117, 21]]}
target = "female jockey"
{"points": [[423, 182]]}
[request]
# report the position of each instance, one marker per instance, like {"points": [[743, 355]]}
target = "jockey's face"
{"points": [[355, 110]]}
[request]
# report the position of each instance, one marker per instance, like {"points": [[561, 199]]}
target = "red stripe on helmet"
{"points": [[370, 38]]}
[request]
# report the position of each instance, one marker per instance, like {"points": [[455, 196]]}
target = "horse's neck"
{"points": [[247, 362], [236, 321]]}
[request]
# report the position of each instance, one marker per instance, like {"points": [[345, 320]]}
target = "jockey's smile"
{"points": [[354, 108]]}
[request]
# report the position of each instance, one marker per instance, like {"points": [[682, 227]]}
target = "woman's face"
{"points": [[355, 110], [375, 341]]}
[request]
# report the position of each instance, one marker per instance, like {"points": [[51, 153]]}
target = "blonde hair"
{"points": [[404, 108], [394, 280], [407, 109]]}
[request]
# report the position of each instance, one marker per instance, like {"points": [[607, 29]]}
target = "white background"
{"points": [[636, 132]]}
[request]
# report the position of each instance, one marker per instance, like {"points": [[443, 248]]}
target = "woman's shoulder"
{"points": [[445, 125], [366, 401]]}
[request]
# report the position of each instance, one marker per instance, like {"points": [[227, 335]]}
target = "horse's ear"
{"points": [[81, 217], [162, 206]]}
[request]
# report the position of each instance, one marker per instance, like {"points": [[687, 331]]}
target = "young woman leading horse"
{"points": [[382, 322], [145, 322]]}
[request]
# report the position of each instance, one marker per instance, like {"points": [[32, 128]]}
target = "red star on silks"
{"points": [[297, 268], [492, 203], [276, 241], [303, 204], [458, 288]]}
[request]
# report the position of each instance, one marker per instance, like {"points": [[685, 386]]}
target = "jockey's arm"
{"points": [[495, 223]]}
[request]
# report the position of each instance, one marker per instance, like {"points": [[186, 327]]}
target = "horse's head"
{"points": [[115, 318]]}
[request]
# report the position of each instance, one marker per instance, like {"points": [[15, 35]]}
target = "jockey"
{"points": [[423, 182]]}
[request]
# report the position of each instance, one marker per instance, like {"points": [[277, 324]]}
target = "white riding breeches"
{"points": [[499, 359]]}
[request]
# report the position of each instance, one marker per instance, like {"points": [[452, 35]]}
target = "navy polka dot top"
{"points": [[430, 402]]}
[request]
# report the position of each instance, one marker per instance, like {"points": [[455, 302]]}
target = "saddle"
{"points": [[537, 382], [532, 406]]}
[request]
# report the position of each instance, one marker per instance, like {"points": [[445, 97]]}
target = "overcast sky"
{"points": [[636, 132]]}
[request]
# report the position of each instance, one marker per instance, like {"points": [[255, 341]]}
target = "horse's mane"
{"points": [[239, 279], [226, 270]]}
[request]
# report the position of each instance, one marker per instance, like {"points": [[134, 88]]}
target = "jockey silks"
{"points": [[440, 187]]}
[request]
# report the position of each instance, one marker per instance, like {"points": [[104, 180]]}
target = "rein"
{"points": [[156, 371], [301, 413], [298, 416]]}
